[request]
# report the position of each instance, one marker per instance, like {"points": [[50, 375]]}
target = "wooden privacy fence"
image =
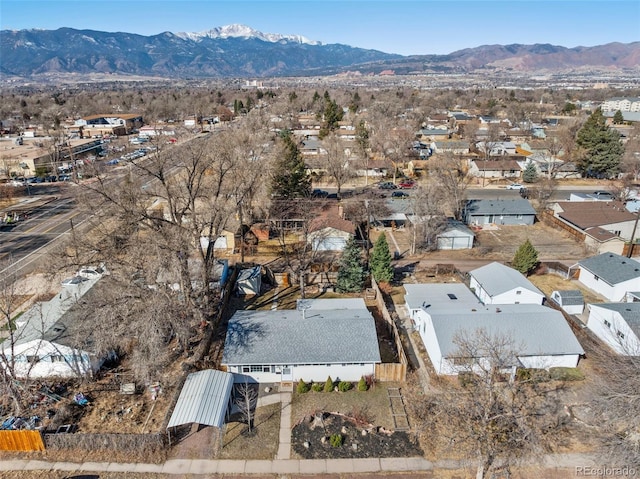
{"points": [[390, 371], [555, 222], [21, 440]]}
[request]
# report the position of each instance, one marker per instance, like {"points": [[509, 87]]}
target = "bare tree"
{"points": [[429, 219], [336, 161], [488, 417], [246, 400], [451, 178]]}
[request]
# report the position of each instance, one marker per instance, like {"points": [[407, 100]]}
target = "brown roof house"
{"points": [[604, 226], [329, 231]]}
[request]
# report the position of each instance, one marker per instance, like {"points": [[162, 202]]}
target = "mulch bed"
{"points": [[315, 431]]}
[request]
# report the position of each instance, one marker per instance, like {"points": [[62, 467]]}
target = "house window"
{"points": [[256, 368], [246, 369], [33, 359], [620, 335], [607, 323], [518, 292], [617, 233], [266, 369], [57, 358]]}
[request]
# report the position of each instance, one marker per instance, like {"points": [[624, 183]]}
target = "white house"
{"points": [[496, 283], [323, 337], [571, 302], [610, 275], [48, 341], [618, 325], [442, 313], [329, 231]]}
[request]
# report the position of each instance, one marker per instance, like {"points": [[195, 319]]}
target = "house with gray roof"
{"points": [[618, 325], [516, 211], [496, 283], [609, 275], [50, 339], [443, 313], [310, 343]]}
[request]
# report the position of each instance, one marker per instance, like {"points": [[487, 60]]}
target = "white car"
{"points": [[91, 272], [76, 280], [515, 186]]}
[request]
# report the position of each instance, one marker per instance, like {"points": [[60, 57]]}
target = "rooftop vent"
{"points": [[498, 310], [452, 296]]}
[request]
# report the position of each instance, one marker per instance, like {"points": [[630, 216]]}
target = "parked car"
{"points": [[399, 195], [407, 184], [387, 185], [64, 178], [91, 272], [16, 183], [604, 195], [515, 186], [319, 193]]}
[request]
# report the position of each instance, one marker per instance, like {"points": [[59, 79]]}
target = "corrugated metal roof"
{"points": [[292, 337], [204, 399], [496, 278]]}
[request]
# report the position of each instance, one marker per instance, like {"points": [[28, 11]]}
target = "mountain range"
{"points": [[238, 51]]}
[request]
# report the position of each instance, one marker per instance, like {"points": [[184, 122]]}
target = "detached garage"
{"points": [[456, 236]]}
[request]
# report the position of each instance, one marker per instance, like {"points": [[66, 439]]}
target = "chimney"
{"points": [[498, 310]]}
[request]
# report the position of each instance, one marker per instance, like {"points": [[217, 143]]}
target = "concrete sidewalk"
{"points": [[203, 466]]}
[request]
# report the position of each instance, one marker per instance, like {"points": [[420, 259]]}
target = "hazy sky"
{"points": [[405, 27]]}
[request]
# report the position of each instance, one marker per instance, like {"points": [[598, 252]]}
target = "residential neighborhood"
{"points": [[293, 277]]}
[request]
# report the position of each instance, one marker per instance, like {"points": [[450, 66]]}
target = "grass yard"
{"points": [[263, 441], [373, 404], [548, 283]]}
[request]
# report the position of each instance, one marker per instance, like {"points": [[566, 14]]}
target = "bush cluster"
{"points": [[336, 440], [302, 387]]}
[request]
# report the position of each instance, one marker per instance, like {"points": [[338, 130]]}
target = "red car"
{"points": [[407, 184]]}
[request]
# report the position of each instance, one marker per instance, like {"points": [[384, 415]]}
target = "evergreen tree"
{"points": [[351, 272], [290, 179], [601, 146], [380, 262], [618, 119], [526, 258], [530, 173]]}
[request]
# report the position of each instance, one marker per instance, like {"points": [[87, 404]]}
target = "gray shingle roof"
{"points": [[571, 297], [630, 312], [534, 329], [496, 278], [289, 337], [435, 297], [519, 206], [203, 399], [612, 268]]}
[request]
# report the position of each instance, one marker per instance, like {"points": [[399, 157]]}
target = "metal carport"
{"points": [[204, 399]]}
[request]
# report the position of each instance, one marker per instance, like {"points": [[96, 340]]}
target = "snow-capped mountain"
{"points": [[243, 31]]}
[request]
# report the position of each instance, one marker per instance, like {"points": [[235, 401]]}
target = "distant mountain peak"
{"points": [[237, 30]]}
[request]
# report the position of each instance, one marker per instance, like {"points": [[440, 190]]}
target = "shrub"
{"points": [[362, 384], [317, 387], [328, 385], [566, 374], [344, 386], [302, 387], [336, 440]]}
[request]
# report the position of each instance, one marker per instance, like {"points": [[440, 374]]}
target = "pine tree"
{"points": [[526, 258], [530, 173], [618, 119], [601, 146], [290, 179], [351, 272], [380, 262]]}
